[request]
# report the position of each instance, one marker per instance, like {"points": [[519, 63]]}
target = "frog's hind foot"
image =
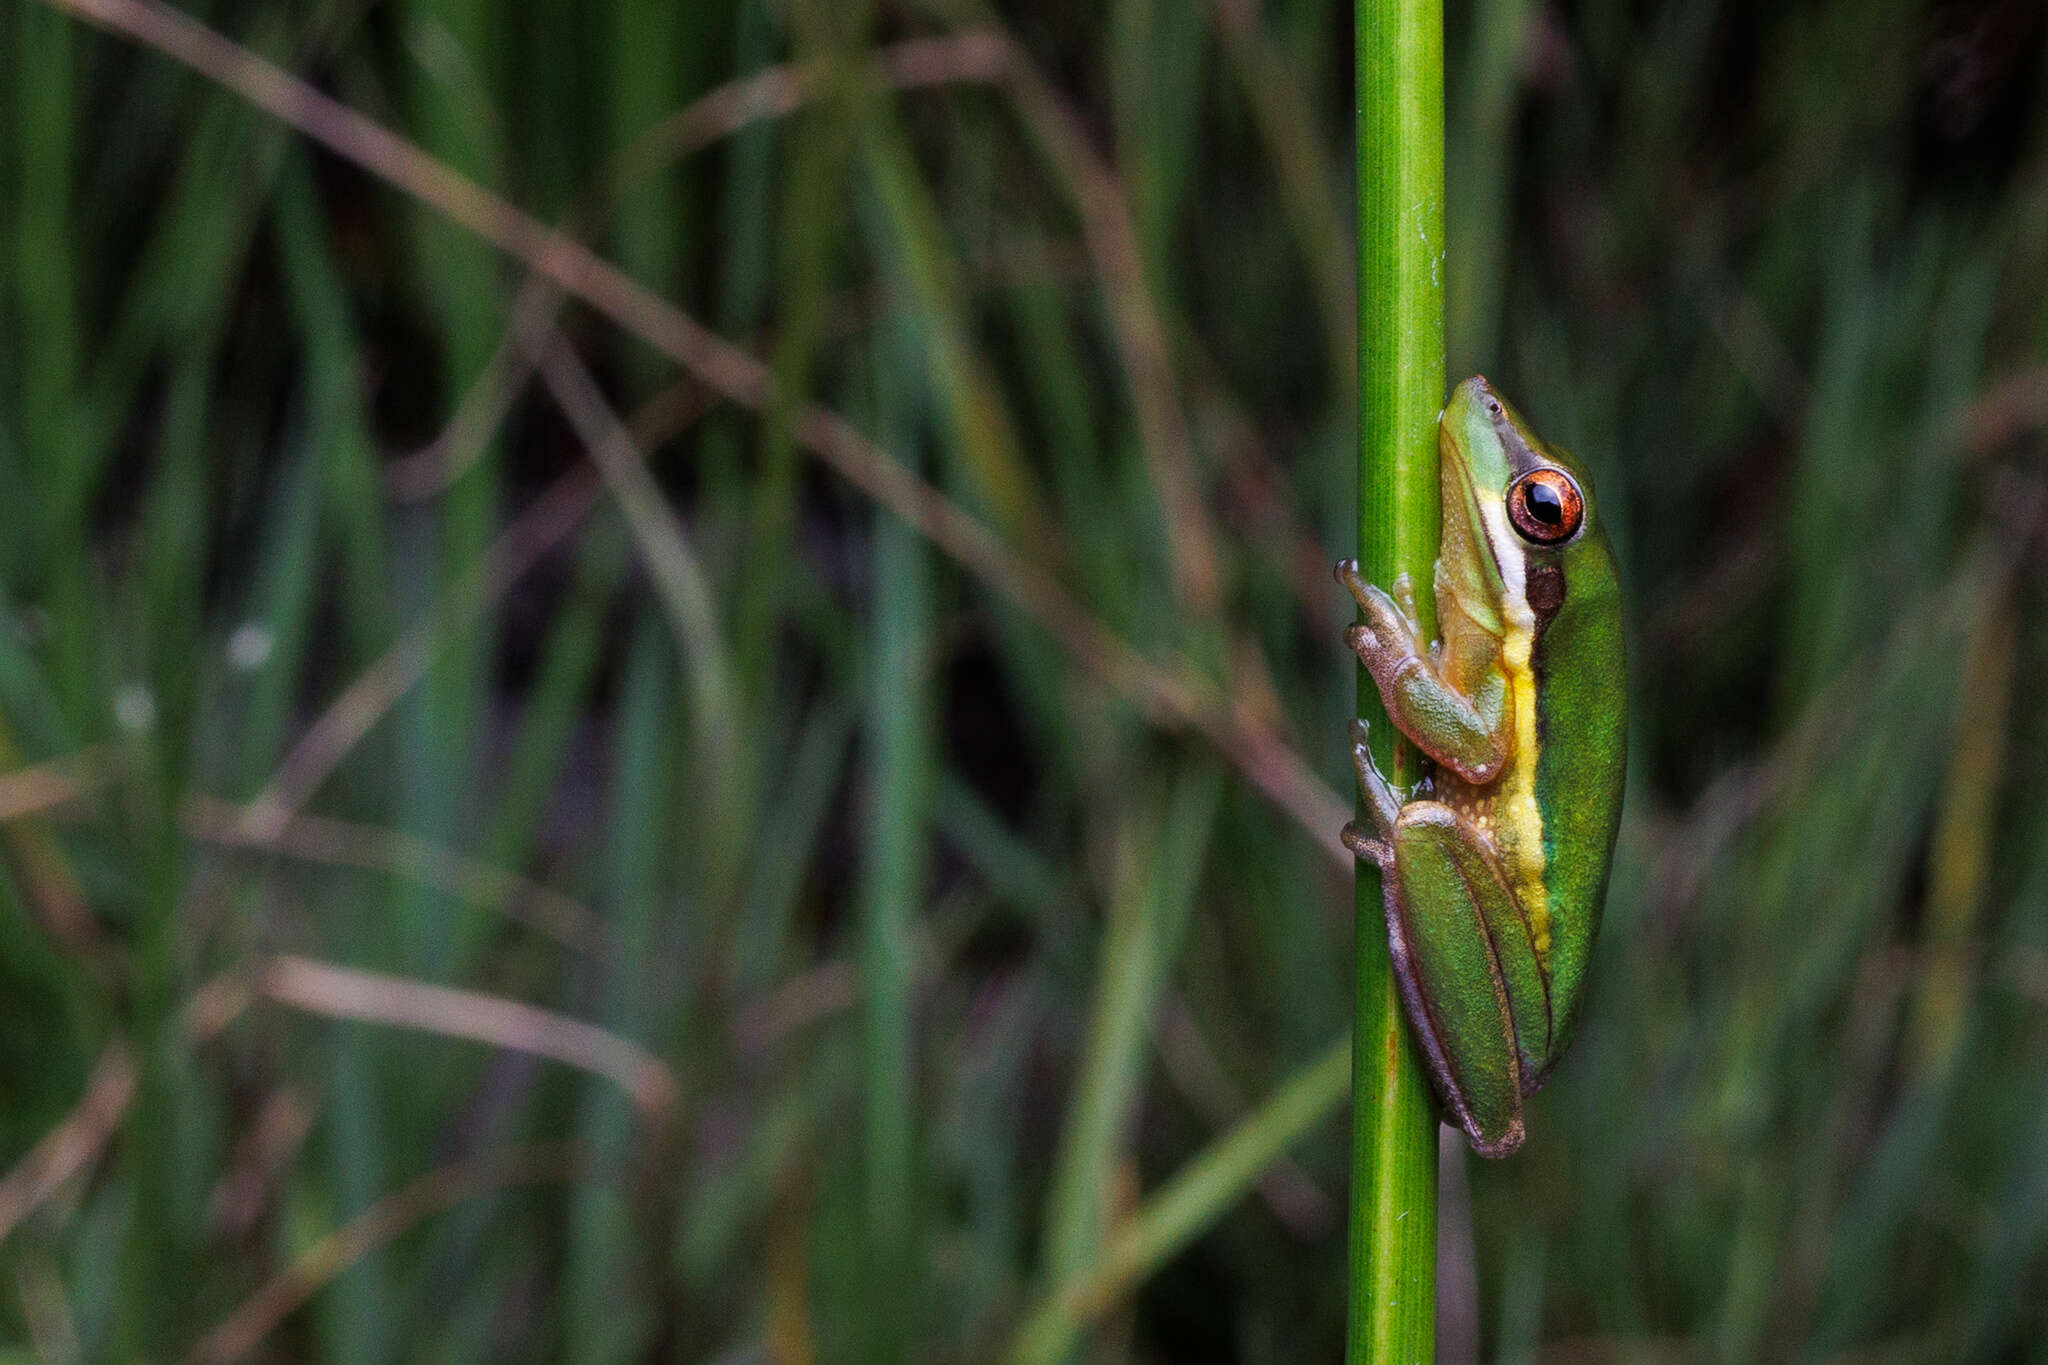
{"points": [[1365, 848], [1382, 803]]}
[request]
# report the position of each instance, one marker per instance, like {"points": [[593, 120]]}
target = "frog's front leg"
{"points": [[1467, 734]]}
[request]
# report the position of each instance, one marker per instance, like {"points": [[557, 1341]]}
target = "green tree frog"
{"points": [[1494, 865]]}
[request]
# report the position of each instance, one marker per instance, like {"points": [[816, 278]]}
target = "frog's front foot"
{"points": [[1390, 619]]}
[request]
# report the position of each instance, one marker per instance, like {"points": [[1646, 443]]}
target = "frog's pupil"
{"points": [[1544, 503]]}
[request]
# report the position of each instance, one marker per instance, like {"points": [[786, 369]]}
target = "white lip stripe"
{"points": [[1500, 540]]}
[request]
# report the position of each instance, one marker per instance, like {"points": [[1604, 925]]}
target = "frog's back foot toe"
{"points": [[1364, 847]]}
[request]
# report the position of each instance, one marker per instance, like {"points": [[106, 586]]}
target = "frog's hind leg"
{"points": [[1464, 973], [1382, 807]]}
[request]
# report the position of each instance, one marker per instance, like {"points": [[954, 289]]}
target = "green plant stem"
{"points": [[1400, 392]]}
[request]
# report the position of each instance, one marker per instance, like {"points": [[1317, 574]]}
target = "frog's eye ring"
{"points": [[1546, 506]]}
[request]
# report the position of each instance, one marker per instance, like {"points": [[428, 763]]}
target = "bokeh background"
{"points": [[536, 832]]}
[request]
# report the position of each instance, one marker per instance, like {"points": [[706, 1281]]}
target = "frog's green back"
{"points": [[1582, 728]]}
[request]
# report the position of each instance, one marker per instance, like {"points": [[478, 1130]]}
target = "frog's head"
{"points": [[1517, 513]]}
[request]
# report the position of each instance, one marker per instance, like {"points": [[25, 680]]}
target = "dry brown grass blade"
{"points": [[39, 862], [1138, 331], [52, 786], [45, 1311], [243, 1330], [544, 523], [434, 468], [1286, 118], [791, 1340], [254, 1179], [673, 566], [976, 56], [776, 92], [48, 786], [2011, 408], [372, 848], [817, 994], [373, 997], [732, 373], [73, 1144]]}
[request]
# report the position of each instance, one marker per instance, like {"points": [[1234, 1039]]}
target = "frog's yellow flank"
{"points": [[1520, 819]]}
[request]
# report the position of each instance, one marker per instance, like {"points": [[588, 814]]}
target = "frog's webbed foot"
{"points": [[1390, 632], [1365, 848], [1374, 841], [1403, 592]]}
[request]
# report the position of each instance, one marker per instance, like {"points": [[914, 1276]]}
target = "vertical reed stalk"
{"points": [[1400, 392]]}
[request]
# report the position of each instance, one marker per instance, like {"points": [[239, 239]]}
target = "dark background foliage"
{"points": [[486, 883]]}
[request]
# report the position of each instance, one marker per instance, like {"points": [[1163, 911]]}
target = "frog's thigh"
{"points": [[1463, 968], [1514, 946]]}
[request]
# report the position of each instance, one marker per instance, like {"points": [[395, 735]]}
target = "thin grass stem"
{"points": [[1400, 392]]}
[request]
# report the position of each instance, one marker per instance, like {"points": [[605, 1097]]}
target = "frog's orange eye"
{"points": [[1546, 506]]}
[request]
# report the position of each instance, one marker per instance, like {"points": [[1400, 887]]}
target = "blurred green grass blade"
{"points": [[571, 658], [809, 199], [339, 442], [900, 747], [1198, 1194], [648, 42], [1014, 869], [145, 637], [600, 1323], [2001, 1314], [51, 525], [924, 269], [103, 1223], [1158, 60], [1943, 1012], [358, 1316], [800, 798], [743, 238], [174, 546], [1160, 857], [44, 160], [684, 591], [1062, 399], [728, 1196], [265, 650], [38, 984], [30, 705], [1478, 209], [989, 1076], [453, 54], [459, 54], [201, 231], [1279, 91]]}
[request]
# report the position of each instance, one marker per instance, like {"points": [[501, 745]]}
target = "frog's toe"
{"points": [[1404, 596], [1360, 732], [1364, 847], [1354, 581]]}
